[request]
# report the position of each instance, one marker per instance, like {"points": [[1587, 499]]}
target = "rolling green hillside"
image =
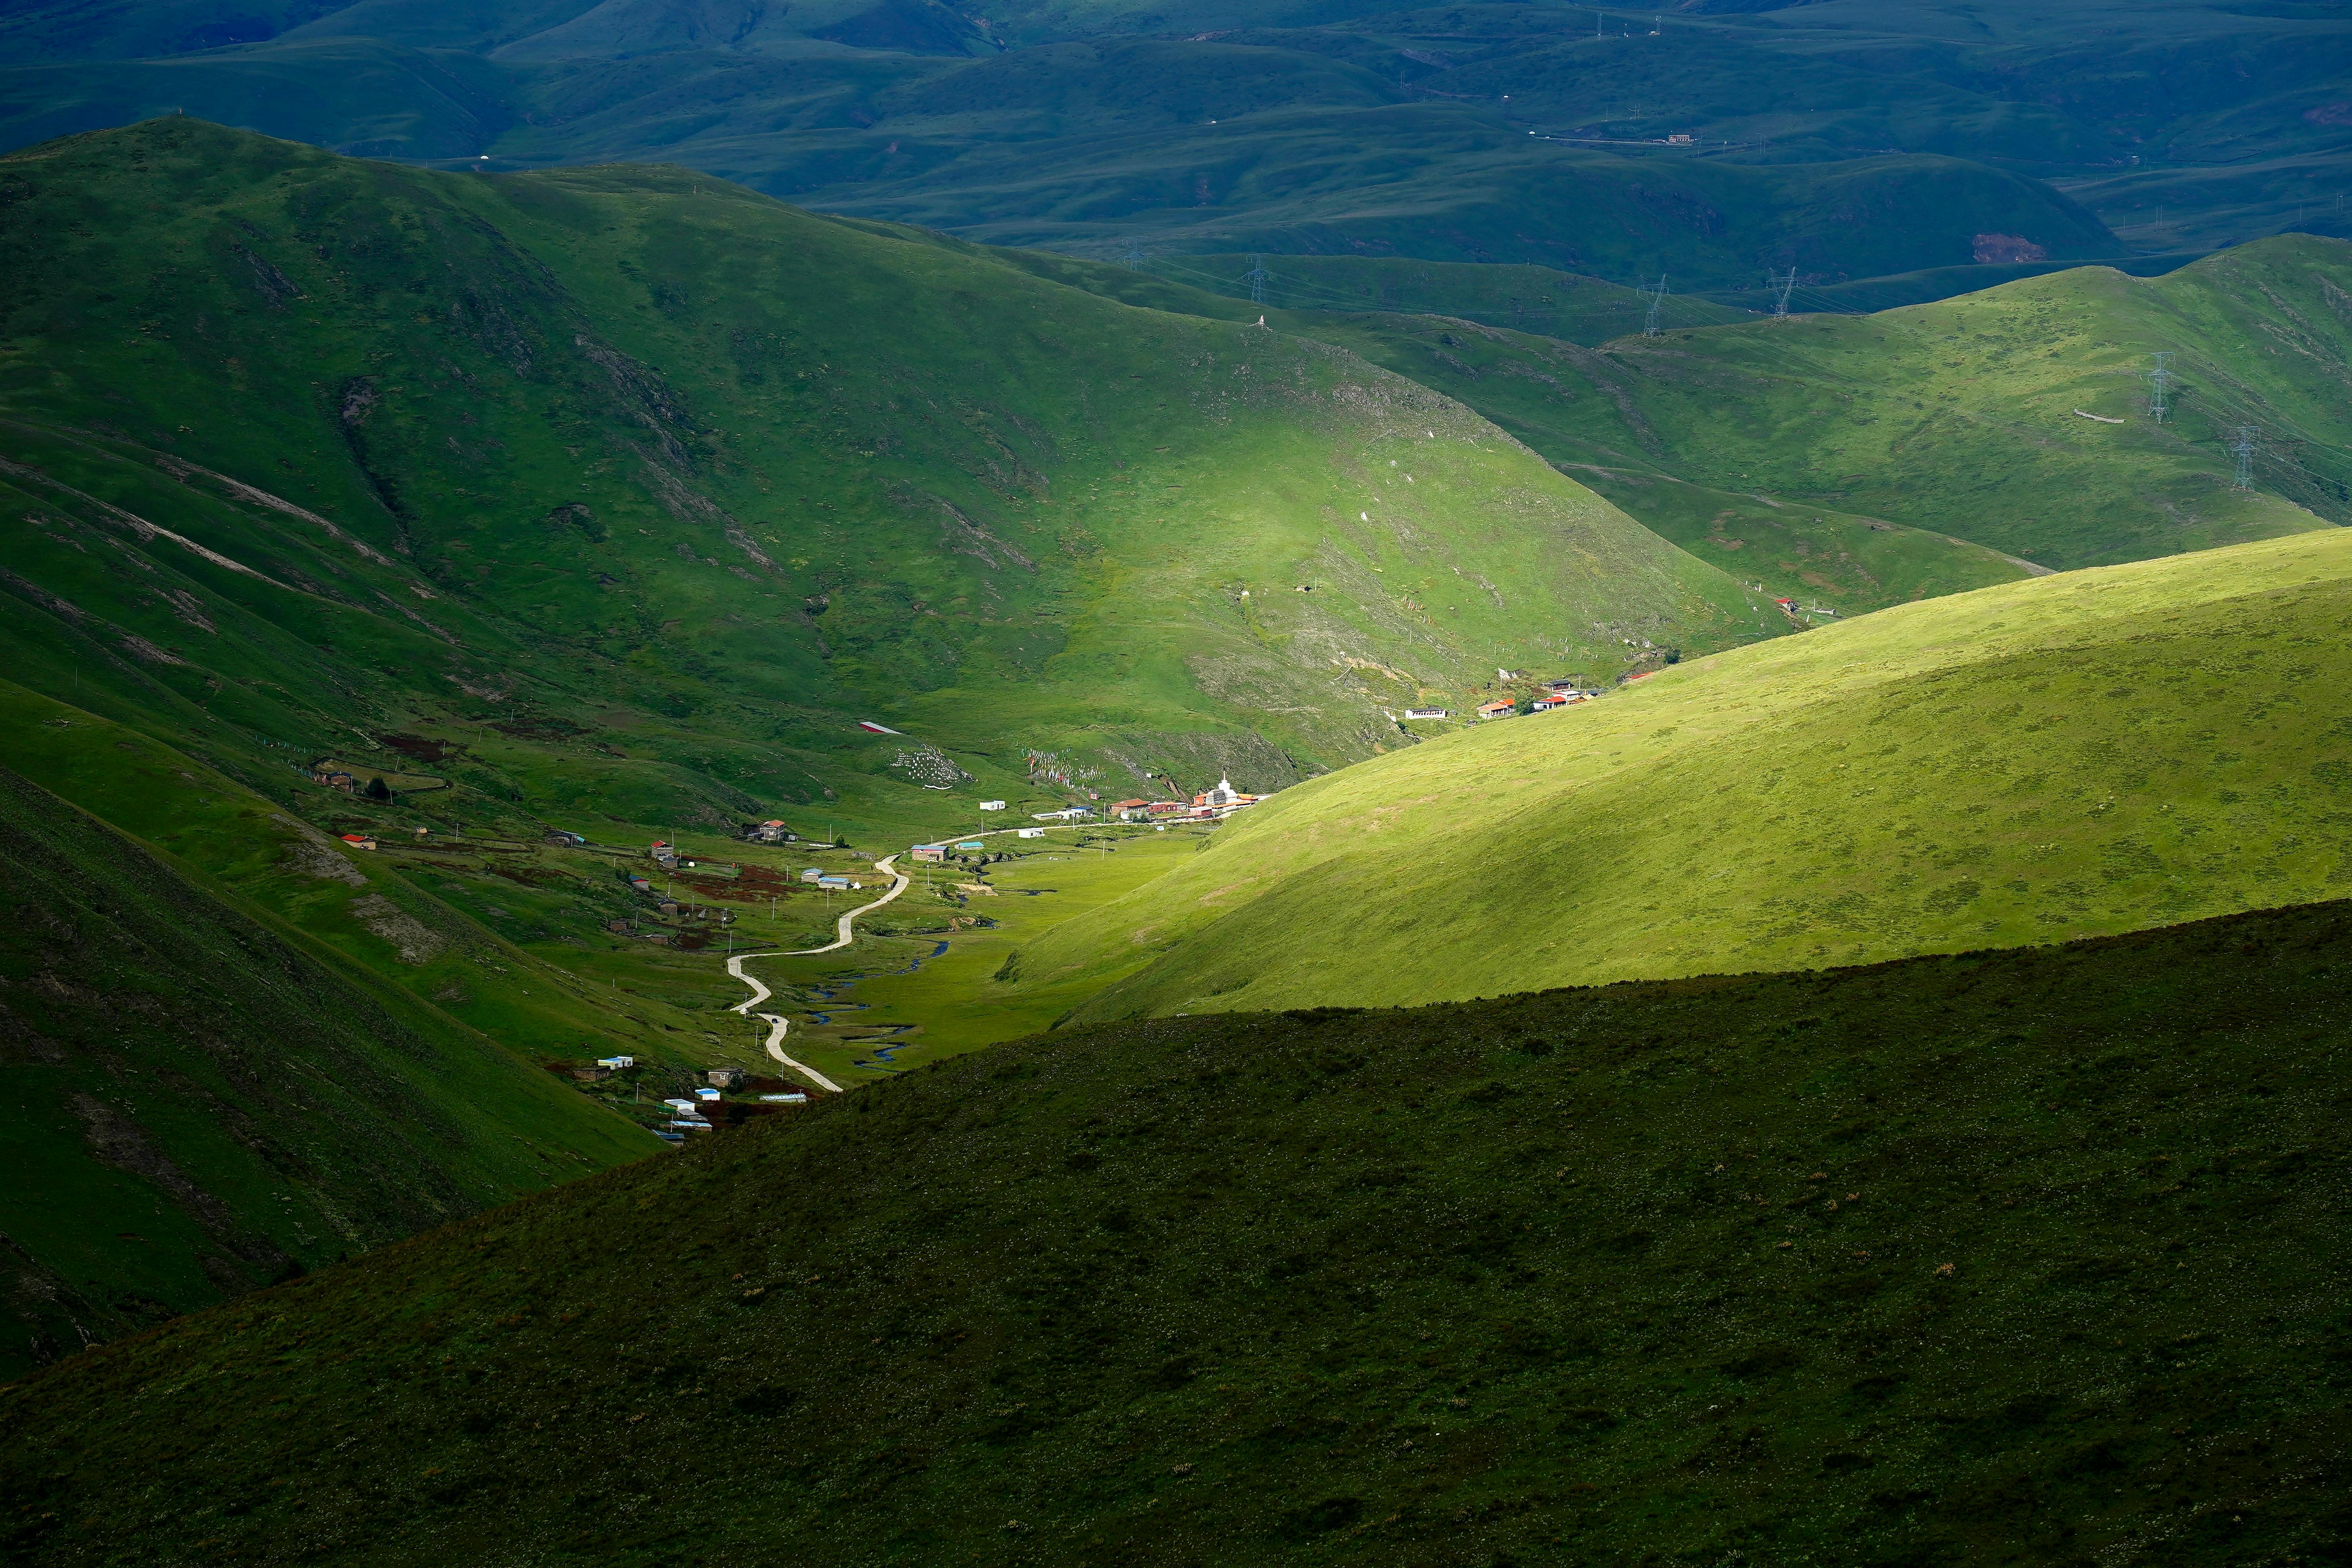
{"points": [[1822, 557], [1451, 182], [1845, 563], [2186, 125], [1200, 143], [1526, 299], [2097, 750], [204, 1099], [616, 448], [612, 502], [1880, 461], [2025, 1257], [2015, 418], [1892, 457]]}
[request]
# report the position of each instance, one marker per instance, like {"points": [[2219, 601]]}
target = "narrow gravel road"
{"points": [[759, 991]]}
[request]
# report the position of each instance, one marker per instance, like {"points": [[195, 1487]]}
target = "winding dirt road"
{"points": [[759, 991]]}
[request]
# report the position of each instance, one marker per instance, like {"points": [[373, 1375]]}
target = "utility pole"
{"points": [[2160, 381], [1657, 298], [1257, 277], [1783, 287], [2245, 448]]}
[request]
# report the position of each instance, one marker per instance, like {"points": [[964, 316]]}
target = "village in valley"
{"points": [[668, 919], [925, 963]]}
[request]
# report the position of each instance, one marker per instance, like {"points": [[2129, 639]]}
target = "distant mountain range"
{"points": [[1849, 139]]}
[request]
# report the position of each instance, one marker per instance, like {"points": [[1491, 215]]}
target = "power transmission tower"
{"points": [[2160, 381], [1657, 296], [1134, 257], [2245, 448], [1257, 277], [1783, 287]]}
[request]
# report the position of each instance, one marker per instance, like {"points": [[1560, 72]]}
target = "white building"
{"points": [[991, 805]]}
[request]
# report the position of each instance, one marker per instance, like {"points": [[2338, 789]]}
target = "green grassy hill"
{"points": [[1443, 182], [612, 501], [205, 1098], [2094, 751], [602, 449], [1876, 460], [1196, 143], [1539, 300], [1866, 462], [2184, 126], [2023, 1256], [2015, 418]]}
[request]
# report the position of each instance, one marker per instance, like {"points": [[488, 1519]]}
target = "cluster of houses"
{"points": [[710, 1108], [769, 832], [1557, 694], [1222, 801], [1209, 805]]}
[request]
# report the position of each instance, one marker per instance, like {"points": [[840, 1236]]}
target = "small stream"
{"points": [[880, 1062]]}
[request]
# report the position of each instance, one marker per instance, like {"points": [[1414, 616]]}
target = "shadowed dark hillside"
{"points": [[2019, 1256], [202, 1100]]}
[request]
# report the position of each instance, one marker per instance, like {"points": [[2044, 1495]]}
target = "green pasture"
{"points": [[2089, 753], [2011, 423], [2019, 418], [967, 997]]}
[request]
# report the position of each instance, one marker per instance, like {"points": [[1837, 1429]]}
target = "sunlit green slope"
{"points": [[629, 443], [2017, 417], [1522, 381], [2090, 751], [1774, 1269], [1936, 447], [614, 502]]}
